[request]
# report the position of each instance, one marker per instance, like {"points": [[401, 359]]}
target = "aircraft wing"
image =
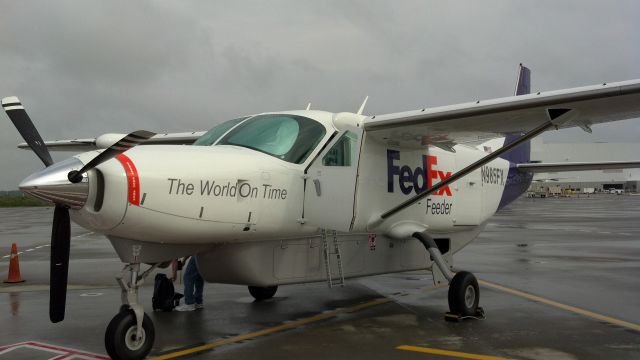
{"points": [[106, 140], [578, 166], [446, 126]]}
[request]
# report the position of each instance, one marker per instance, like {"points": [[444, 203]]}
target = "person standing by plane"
{"points": [[193, 283]]}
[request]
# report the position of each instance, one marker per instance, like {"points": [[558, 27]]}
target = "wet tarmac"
{"points": [[559, 280]]}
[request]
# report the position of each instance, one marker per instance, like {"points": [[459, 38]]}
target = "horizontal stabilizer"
{"points": [[578, 166]]}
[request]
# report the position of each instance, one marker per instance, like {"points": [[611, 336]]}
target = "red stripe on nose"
{"points": [[132, 179]]}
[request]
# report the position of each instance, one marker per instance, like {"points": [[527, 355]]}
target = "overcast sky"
{"points": [[83, 68]]}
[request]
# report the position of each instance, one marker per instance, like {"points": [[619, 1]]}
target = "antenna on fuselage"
{"points": [[363, 105], [309, 106]]}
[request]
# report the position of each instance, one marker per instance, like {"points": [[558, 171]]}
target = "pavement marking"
{"points": [[268, 331], [456, 354], [558, 305], [83, 234], [41, 246], [61, 352]]}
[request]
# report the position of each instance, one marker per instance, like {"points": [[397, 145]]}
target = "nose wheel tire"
{"points": [[464, 294], [262, 293], [120, 338]]}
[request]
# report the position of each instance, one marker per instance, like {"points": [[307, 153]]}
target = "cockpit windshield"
{"points": [[288, 137], [211, 136]]}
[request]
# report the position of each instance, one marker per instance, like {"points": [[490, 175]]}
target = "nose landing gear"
{"points": [[130, 334], [122, 340]]}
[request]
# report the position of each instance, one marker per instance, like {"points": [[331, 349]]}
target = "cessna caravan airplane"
{"points": [[304, 196]]}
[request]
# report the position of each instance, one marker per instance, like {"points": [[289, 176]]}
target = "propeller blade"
{"points": [[22, 122], [59, 267], [112, 151]]}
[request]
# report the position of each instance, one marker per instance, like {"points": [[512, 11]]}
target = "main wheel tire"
{"points": [[464, 294], [119, 339], [262, 293]]}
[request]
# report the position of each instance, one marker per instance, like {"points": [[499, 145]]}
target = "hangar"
{"points": [[627, 179]]}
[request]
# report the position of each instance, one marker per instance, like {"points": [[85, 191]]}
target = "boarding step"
{"points": [[332, 250]]}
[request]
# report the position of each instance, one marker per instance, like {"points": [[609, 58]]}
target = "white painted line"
{"points": [[38, 247], [29, 250], [627, 234], [82, 235], [604, 232], [19, 252], [6, 256]]}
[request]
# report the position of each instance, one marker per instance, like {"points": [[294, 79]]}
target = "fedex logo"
{"points": [[417, 180]]}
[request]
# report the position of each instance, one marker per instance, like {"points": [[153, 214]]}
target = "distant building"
{"points": [[627, 179]]}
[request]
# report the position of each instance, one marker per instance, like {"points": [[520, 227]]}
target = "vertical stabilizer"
{"points": [[521, 153], [517, 181], [523, 86]]}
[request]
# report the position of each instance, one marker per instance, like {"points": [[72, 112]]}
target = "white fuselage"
{"points": [[227, 202]]}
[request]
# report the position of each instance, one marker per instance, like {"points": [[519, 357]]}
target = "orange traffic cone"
{"points": [[14, 267]]}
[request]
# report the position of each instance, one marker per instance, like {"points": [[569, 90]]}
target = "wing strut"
{"points": [[556, 116]]}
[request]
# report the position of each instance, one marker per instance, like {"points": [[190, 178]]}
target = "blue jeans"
{"points": [[193, 283]]}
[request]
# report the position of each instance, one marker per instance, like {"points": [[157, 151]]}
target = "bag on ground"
{"points": [[164, 296]]}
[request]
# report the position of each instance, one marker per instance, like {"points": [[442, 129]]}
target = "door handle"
{"points": [[316, 183]]}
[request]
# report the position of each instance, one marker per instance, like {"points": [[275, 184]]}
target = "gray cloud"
{"points": [[84, 68]]}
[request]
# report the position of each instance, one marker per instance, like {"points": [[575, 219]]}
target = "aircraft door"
{"points": [[331, 182]]}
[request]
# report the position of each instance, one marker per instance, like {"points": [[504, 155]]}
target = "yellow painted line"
{"points": [[558, 305], [456, 354], [268, 331]]}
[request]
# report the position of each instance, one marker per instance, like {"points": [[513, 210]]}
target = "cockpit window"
{"points": [[211, 136], [288, 137], [342, 152]]}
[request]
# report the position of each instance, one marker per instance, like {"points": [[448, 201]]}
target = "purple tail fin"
{"points": [[523, 86], [517, 181], [521, 153]]}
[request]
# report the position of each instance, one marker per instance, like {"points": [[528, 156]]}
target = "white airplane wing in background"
{"points": [[446, 126], [106, 140]]}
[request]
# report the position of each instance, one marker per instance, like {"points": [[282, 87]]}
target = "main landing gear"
{"points": [[130, 333], [464, 293], [262, 293]]}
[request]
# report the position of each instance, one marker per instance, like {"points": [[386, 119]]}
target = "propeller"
{"points": [[22, 122], [61, 228], [59, 264], [122, 145]]}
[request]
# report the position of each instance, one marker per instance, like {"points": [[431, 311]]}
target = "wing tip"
{"points": [[13, 100]]}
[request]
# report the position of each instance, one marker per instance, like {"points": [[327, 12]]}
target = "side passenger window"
{"points": [[343, 151]]}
